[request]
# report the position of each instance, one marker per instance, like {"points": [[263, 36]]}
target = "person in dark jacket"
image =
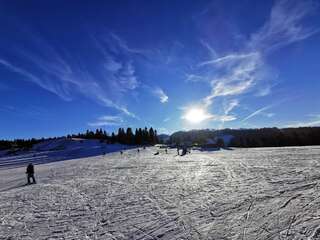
{"points": [[30, 173]]}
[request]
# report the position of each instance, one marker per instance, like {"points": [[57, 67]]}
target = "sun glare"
{"points": [[196, 115]]}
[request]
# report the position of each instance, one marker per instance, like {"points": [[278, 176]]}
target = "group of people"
{"points": [[30, 167], [185, 150]]}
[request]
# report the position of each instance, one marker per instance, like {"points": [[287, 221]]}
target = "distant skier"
{"points": [[138, 150], [178, 153], [30, 173], [166, 151], [121, 152]]}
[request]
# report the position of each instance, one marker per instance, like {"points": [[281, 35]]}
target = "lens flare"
{"points": [[196, 115]]}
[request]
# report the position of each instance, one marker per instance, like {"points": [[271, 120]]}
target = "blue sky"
{"points": [[66, 66]]}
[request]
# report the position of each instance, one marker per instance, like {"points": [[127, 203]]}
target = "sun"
{"points": [[196, 115]]}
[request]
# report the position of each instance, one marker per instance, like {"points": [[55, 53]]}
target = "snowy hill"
{"points": [[269, 193], [58, 150]]}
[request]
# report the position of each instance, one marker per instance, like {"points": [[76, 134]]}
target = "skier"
{"points": [[30, 173], [166, 151], [184, 151]]}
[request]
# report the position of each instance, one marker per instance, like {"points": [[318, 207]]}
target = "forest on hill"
{"points": [[263, 137], [141, 136]]}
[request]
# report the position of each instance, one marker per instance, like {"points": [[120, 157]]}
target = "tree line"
{"points": [[274, 137], [141, 136], [24, 144], [263, 137]]}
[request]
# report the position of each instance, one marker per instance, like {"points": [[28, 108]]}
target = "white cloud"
{"points": [[112, 65], [211, 50], [224, 118], [62, 91], [107, 121], [257, 112], [167, 119], [241, 72], [230, 106], [195, 78], [228, 59], [237, 75], [263, 91], [284, 25], [269, 115], [105, 83], [314, 121], [161, 95]]}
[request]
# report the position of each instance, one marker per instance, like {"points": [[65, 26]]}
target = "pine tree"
{"points": [[113, 138], [129, 136], [151, 136], [145, 136]]}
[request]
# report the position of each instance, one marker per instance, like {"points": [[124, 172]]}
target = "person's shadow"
{"points": [[15, 187]]}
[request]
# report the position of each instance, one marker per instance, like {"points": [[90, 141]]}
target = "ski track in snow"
{"points": [[261, 193]]}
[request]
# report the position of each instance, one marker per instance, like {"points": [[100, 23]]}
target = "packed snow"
{"points": [[261, 193]]}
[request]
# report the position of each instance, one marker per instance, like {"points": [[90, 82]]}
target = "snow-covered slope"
{"points": [[58, 150], [269, 193]]}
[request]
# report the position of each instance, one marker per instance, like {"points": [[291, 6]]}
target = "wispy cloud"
{"points": [[167, 119], [246, 71], [161, 95], [229, 106], [257, 112], [313, 121], [211, 50], [223, 118], [30, 111], [118, 62], [67, 75], [238, 73], [196, 78], [285, 25], [107, 121]]}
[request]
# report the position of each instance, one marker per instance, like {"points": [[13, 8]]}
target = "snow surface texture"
{"points": [[269, 193]]}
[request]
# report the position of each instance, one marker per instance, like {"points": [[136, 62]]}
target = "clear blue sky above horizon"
{"points": [[68, 66]]}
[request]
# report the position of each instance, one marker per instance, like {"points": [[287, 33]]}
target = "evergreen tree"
{"points": [[113, 138], [145, 136], [151, 138], [138, 137], [129, 136]]}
